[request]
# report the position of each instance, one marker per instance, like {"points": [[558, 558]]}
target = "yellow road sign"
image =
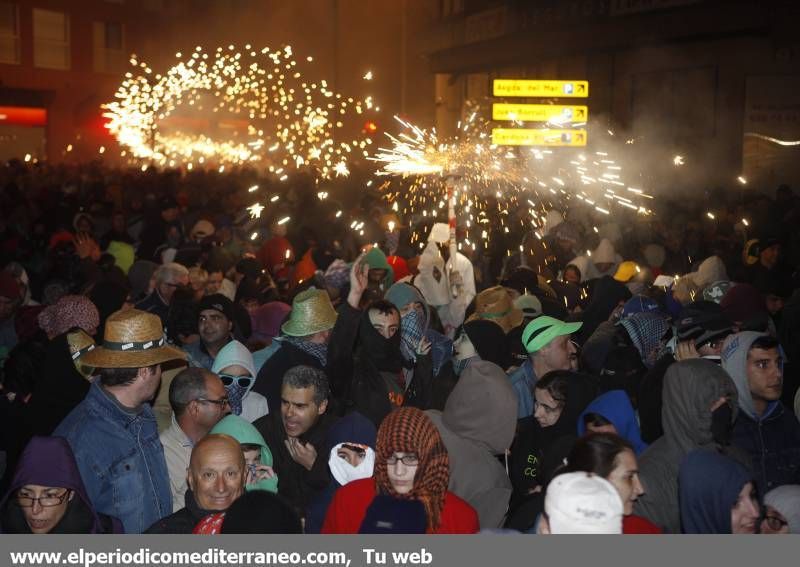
{"points": [[525, 87], [540, 112], [538, 137]]}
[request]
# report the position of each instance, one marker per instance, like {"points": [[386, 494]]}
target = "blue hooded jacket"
{"points": [[709, 485], [616, 407]]}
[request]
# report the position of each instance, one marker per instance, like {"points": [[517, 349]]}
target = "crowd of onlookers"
{"points": [[174, 362]]}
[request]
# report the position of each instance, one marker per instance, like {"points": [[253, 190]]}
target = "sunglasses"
{"points": [[241, 381]]}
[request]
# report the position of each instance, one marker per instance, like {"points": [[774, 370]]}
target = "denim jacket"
{"points": [[522, 380], [120, 459]]}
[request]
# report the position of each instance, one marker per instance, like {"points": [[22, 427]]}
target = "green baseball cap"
{"points": [[542, 330]]}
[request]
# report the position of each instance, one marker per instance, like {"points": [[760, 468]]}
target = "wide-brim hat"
{"points": [[495, 304], [312, 312], [132, 339]]}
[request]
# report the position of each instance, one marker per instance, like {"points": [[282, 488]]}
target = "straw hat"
{"points": [[495, 304], [132, 339], [312, 312]]}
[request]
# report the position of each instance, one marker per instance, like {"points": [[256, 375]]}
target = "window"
{"points": [[50, 39], [109, 47], [9, 33]]}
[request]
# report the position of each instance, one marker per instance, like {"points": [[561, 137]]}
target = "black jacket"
{"points": [[184, 520], [270, 377]]}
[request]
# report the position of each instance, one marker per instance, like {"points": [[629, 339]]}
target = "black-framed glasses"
{"points": [[242, 381], [44, 501], [222, 402], [410, 460], [775, 523]]}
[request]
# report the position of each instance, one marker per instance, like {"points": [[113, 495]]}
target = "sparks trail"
{"points": [[278, 118]]}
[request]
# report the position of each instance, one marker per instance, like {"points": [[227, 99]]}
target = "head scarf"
{"points": [[412, 329], [383, 352], [646, 331], [68, 312], [786, 500], [409, 430]]}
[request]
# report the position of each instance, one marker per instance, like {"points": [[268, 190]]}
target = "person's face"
{"points": [[298, 410], [625, 478], [249, 304], [608, 428], [765, 374], [547, 410], [151, 381], [713, 348], [216, 476], [744, 514], [463, 347], [376, 276], [409, 307], [774, 303], [769, 257], [571, 276], [350, 455], [774, 522], [387, 324], [209, 413], [214, 282], [252, 457], [401, 475], [558, 353], [167, 289], [42, 519], [213, 326]]}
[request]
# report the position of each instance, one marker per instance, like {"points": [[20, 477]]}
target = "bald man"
{"points": [[216, 478]]}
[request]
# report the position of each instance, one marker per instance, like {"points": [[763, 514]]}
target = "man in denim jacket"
{"points": [[113, 431]]}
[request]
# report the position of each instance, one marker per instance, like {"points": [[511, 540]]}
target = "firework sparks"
{"points": [[255, 210], [678, 160]]}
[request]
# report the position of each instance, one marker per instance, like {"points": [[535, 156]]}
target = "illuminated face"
{"points": [[298, 410], [744, 514], [43, 506], [765, 375], [217, 475], [401, 469], [387, 324], [213, 326], [214, 282], [625, 478], [547, 409]]}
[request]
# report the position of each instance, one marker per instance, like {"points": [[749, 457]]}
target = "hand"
{"points": [[359, 279], [86, 247], [303, 454], [424, 347], [686, 350], [262, 472]]}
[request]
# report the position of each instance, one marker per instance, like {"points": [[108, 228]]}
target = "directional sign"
{"points": [[538, 137], [520, 87], [540, 112]]}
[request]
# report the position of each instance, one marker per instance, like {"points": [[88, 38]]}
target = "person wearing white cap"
{"points": [[581, 503], [235, 367]]}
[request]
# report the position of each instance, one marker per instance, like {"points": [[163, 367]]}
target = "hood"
{"points": [[709, 485], [690, 388], [586, 267], [352, 428], [734, 362], [245, 432], [786, 500], [234, 353], [435, 292], [483, 406], [376, 260], [49, 461], [403, 293], [646, 330], [616, 407], [711, 270], [605, 253]]}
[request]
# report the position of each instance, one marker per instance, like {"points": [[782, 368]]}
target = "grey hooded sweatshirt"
{"points": [[690, 389], [477, 424]]}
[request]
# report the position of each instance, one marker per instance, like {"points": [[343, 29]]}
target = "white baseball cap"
{"points": [[583, 503]]}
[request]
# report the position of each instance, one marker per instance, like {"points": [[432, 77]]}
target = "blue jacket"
{"points": [[616, 407], [773, 443], [522, 380], [120, 460]]}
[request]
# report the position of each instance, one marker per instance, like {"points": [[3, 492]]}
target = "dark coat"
{"points": [[270, 377], [184, 520]]}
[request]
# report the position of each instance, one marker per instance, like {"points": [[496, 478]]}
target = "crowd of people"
{"points": [[172, 362]]}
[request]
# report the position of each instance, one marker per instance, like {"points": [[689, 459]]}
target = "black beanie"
{"points": [[489, 340]]}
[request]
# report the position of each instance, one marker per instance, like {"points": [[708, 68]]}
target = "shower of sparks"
{"points": [[255, 210], [773, 140], [270, 113], [678, 160]]}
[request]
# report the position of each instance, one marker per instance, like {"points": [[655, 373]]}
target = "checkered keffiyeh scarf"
{"points": [[412, 329], [318, 351], [409, 430], [646, 331]]}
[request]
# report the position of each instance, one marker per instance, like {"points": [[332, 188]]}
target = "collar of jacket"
{"points": [[101, 404]]}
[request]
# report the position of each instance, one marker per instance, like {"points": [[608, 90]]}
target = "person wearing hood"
{"points": [[782, 510], [257, 456], [605, 258], [765, 429], [477, 425], [700, 405], [47, 495], [585, 268], [351, 450], [381, 275], [560, 397], [479, 340], [235, 367], [711, 270], [612, 412], [216, 478], [646, 332], [717, 495]]}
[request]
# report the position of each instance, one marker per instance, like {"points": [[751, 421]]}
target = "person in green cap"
{"points": [[547, 342], [381, 274], [257, 456]]}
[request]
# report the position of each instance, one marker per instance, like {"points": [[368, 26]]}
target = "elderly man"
{"points": [[547, 342], [113, 431], [169, 277], [198, 400], [215, 325], [297, 433], [216, 479]]}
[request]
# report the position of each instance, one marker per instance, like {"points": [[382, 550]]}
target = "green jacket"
{"points": [[244, 432]]}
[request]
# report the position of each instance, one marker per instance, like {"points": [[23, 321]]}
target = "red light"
{"points": [[370, 127]]}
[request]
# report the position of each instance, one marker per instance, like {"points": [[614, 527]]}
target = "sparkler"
{"points": [[277, 116]]}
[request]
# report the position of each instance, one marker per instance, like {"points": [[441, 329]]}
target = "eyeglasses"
{"points": [[44, 501], [407, 460], [222, 402], [545, 407], [775, 523], [242, 381]]}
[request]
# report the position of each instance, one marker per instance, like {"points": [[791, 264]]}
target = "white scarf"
{"points": [[344, 472]]}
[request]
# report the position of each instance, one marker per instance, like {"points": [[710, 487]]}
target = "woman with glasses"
{"points": [[235, 367], [411, 464], [48, 496]]}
